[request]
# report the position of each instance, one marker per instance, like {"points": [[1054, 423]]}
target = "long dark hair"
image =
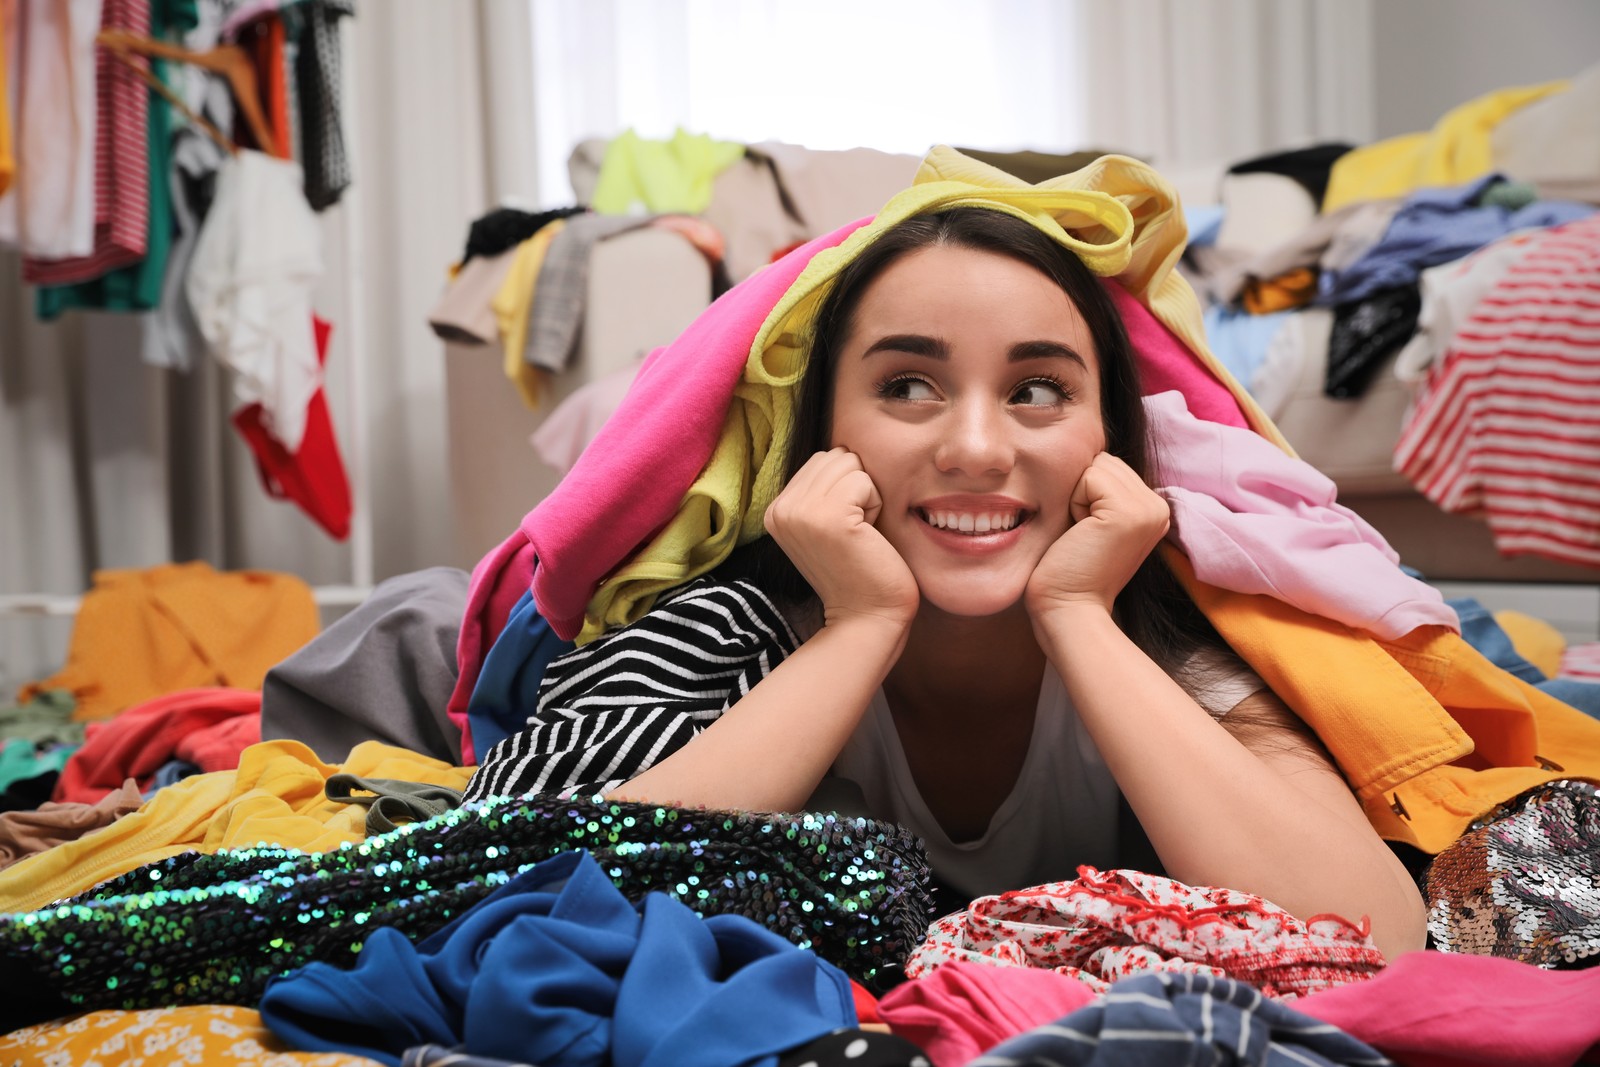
{"points": [[1152, 609]]}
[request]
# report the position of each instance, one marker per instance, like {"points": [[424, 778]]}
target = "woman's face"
{"points": [[970, 387]]}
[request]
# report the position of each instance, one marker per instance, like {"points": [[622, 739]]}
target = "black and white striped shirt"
{"points": [[610, 710]]}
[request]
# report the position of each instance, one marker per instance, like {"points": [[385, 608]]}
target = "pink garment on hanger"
{"points": [[963, 1009], [630, 480], [1254, 520]]}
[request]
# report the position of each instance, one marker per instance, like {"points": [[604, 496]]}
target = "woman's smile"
{"points": [[969, 388]]}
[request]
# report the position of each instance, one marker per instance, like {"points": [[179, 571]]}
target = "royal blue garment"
{"points": [[557, 968], [1179, 1020], [1480, 630], [507, 692], [1436, 226]]}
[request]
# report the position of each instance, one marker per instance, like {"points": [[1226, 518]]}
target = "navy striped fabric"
{"points": [[1183, 1020]]}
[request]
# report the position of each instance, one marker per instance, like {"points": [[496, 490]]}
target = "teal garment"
{"points": [[45, 719], [137, 286], [21, 760]]}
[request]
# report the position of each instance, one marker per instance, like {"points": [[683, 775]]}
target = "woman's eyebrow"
{"points": [[914, 344], [917, 344], [1045, 350]]}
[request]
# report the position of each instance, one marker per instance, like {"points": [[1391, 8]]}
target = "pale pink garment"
{"points": [[48, 212], [575, 422], [1254, 520]]}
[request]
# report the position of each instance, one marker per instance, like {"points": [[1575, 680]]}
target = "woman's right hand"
{"points": [[823, 520]]}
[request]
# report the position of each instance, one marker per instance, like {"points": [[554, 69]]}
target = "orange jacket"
{"points": [[1429, 733]]}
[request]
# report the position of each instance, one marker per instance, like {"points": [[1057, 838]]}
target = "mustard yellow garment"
{"points": [[8, 163], [513, 307], [667, 177], [187, 1034], [1119, 216], [1456, 150], [1534, 639], [140, 634], [276, 797]]}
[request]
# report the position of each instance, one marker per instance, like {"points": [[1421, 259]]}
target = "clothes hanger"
{"points": [[144, 75], [228, 60]]}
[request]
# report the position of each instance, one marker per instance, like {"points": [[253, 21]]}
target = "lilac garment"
{"points": [[1254, 520], [1436, 226]]}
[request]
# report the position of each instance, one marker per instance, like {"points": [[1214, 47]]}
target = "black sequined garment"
{"points": [[204, 929], [1523, 883]]}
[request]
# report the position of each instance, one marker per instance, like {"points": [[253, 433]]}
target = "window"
{"points": [[822, 73]]}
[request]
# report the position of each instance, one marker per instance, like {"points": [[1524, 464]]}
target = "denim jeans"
{"points": [[1484, 634]]}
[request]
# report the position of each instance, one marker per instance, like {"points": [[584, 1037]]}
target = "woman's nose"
{"points": [[975, 439]]}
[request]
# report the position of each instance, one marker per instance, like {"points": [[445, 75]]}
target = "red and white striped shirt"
{"points": [[121, 162], [1507, 424]]}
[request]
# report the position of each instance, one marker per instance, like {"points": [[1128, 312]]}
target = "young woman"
{"points": [[958, 623]]}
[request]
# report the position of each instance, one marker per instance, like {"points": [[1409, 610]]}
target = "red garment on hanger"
{"points": [[313, 477]]}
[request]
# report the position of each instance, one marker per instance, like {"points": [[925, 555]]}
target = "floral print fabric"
{"points": [[1110, 925], [198, 1034]]}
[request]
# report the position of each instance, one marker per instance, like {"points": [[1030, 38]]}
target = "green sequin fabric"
{"points": [[214, 929]]}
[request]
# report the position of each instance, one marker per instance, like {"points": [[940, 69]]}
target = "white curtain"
{"points": [[1191, 83], [106, 462], [1183, 83]]}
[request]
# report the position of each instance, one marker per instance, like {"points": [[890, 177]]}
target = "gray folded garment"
{"points": [[384, 672]]}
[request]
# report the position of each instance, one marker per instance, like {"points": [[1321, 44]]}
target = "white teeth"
{"points": [[969, 523]]}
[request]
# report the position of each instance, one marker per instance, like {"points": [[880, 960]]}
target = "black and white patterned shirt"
{"points": [[610, 710]]}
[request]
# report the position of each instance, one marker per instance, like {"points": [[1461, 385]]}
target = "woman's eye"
{"points": [[1039, 394], [907, 389]]}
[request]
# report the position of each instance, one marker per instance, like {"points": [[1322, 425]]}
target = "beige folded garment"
{"points": [[23, 833], [463, 313]]}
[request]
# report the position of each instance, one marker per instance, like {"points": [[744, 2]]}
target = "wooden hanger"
{"points": [[144, 74], [228, 60]]}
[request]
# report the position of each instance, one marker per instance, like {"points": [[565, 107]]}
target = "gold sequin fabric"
{"points": [[216, 928], [1524, 882]]}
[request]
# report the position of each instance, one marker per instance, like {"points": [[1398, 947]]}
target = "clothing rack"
{"points": [[357, 452]]}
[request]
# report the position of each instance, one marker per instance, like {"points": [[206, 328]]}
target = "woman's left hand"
{"points": [[1116, 520]]}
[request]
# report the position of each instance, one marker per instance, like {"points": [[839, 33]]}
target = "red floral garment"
{"points": [[1105, 926]]}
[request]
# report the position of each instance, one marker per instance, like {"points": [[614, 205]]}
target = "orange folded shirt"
{"points": [[142, 634]]}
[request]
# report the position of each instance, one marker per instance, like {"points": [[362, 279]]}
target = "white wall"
{"points": [[1430, 55]]}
